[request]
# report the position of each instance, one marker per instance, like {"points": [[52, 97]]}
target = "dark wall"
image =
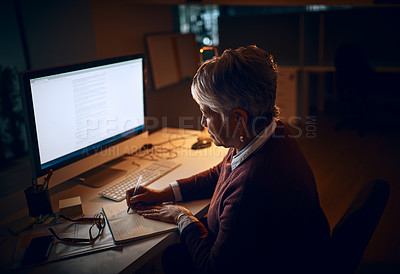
{"points": [[278, 34], [58, 32], [69, 31], [374, 29], [120, 25], [11, 50]]}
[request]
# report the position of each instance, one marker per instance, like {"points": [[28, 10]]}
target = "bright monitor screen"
{"points": [[78, 110]]}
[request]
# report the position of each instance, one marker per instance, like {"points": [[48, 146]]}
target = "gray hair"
{"points": [[244, 78]]}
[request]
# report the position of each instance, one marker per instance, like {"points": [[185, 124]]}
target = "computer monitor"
{"points": [[81, 116]]}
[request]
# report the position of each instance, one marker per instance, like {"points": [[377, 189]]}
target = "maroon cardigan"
{"points": [[264, 216]]}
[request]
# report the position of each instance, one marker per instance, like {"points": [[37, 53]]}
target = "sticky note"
{"points": [[70, 207]]}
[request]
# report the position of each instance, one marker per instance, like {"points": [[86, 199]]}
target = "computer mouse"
{"points": [[202, 143]]}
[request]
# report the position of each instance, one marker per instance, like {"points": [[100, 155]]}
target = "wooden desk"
{"points": [[130, 257]]}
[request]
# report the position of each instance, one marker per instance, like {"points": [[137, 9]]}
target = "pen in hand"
{"points": [[134, 191]]}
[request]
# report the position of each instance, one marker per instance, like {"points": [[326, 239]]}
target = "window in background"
{"points": [[201, 20]]}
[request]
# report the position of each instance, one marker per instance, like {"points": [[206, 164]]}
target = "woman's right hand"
{"points": [[146, 195]]}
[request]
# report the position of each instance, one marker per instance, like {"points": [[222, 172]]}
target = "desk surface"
{"points": [[130, 257]]}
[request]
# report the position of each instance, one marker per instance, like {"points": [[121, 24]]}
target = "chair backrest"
{"points": [[352, 233]]}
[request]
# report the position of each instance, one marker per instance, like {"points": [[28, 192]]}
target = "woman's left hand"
{"points": [[165, 213]]}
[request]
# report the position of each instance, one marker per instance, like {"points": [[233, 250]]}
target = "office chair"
{"points": [[352, 233]]}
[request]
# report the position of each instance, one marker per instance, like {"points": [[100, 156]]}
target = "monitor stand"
{"points": [[100, 176]]}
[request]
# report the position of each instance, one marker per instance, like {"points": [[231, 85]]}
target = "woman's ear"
{"points": [[241, 116]]}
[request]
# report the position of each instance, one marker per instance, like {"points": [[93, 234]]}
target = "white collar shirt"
{"points": [[254, 145]]}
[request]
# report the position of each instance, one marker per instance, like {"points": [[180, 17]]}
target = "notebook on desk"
{"points": [[126, 227]]}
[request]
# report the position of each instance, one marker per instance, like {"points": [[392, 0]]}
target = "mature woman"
{"points": [[264, 215]]}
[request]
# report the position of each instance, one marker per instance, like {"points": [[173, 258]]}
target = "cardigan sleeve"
{"points": [[211, 253], [202, 185]]}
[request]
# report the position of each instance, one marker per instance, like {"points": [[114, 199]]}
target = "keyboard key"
{"points": [[154, 171]]}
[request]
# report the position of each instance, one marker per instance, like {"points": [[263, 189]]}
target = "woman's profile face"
{"points": [[221, 132]]}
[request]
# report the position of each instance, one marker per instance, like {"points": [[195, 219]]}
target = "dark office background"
{"points": [[45, 33], [39, 34]]}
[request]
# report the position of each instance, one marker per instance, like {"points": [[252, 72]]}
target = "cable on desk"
{"points": [[155, 152]]}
